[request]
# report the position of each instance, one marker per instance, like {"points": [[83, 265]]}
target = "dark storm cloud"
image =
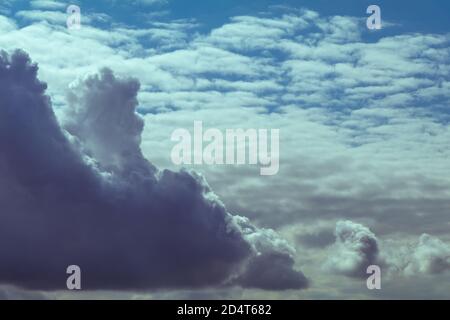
{"points": [[273, 268], [272, 271], [85, 195]]}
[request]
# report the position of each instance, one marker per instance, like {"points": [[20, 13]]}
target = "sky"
{"points": [[87, 116]]}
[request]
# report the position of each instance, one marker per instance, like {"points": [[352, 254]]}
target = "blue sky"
{"points": [[413, 16], [365, 140], [416, 15]]}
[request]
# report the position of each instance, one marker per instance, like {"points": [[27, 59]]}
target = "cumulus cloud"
{"points": [[84, 194], [363, 113], [355, 249], [272, 267], [429, 255]]}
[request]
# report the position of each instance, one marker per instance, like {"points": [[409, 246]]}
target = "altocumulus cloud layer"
{"points": [[82, 193]]}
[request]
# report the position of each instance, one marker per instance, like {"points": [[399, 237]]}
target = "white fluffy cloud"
{"points": [[429, 255], [355, 249]]}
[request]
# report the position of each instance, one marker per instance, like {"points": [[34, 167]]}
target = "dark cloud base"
{"points": [[82, 193]]}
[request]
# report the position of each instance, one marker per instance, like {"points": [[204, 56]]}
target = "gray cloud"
{"points": [[85, 195], [11, 293], [355, 249], [272, 271], [273, 267], [428, 256], [317, 239]]}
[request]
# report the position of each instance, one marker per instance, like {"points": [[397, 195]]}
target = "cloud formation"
{"points": [[355, 249], [363, 113], [429, 256], [85, 195]]}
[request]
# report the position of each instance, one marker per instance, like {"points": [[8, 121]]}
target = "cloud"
{"points": [[317, 238], [7, 24], [272, 268], [430, 256], [272, 271], [144, 3], [53, 17], [11, 293], [85, 195], [5, 6], [365, 128], [151, 2], [427, 256], [355, 249], [47, 4]]}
